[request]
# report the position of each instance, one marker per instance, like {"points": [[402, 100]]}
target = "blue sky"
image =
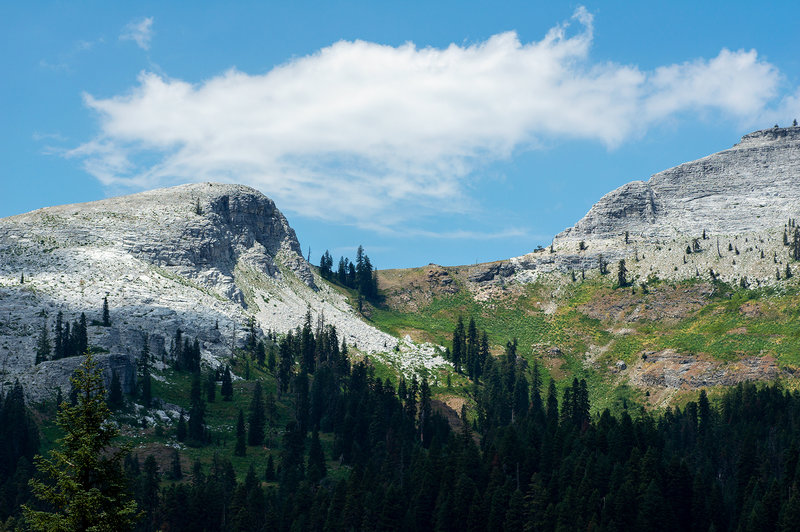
{"points": [[447, 132]]}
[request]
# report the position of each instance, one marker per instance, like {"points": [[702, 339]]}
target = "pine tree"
{"points": [[81, 336], [269, 474], [180, 430], [145, 381], [271, 360], [622, 274], [197, 413], [211, 387], [59, 332], [175, 472], [87, 488], [796, 245], [316, 460], [459, 345], [472, 349], [227, 385], [106, 317], [177, 347], [257, 418], [68, 341], [341, 272], [149, 491], [241, 448], [43, 345]]}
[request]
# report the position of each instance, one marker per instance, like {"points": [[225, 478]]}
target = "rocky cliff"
{"points": [[729, 208], [205, 258], [752, 187]]}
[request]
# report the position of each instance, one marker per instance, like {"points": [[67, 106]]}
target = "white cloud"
{"points": [[376, 135], [141, 32]]}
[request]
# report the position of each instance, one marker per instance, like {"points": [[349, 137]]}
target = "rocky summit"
{"points": [[204, 258], [729, 209]]}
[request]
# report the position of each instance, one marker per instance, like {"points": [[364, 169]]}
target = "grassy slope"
{"points": [[729, 324]]}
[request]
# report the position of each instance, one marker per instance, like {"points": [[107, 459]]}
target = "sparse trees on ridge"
{"points": [[359, 275]]}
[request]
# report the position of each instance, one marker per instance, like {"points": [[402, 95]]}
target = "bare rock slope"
{"points": [[205, 258], [741, 200]]}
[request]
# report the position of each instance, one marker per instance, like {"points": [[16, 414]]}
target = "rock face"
{"points": [[740, 199], [200, 231], [670, 369], [203, 258], [751, 187]]}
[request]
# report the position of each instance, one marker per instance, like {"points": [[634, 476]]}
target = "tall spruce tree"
{"points": [[257, 418], [83, 485], [317, 468], [145, 382], [241, 448], [43, 345], [106, 315], [197, 413], [458, 354], [622, 274], [227, 385], [59, 339]]}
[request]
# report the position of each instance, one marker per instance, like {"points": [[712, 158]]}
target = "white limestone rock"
{"points": [[204, 258]]}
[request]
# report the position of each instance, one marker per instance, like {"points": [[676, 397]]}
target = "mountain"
{"points": [[203, 258], [730, 208]]}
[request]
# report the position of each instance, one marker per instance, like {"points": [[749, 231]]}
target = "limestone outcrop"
{"points": [[203, 258], [724, 213], [752, 187]]}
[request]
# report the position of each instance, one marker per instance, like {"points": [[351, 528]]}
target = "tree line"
{"points": [[530, 455], [358, 275]]}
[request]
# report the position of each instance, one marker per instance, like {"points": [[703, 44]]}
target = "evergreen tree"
{"points": [[303, 401], [227, 385], [106, 315], [86, 488], [240, 449], [326, 265], [197, 413], [43, 345], [425, 413], [211, 387], [175, 471], [316, 460], [177, 348], [252, 338], [271, 359], [285, 363], [68, 342], [796, 245], [81, 336], [269, 474], [180, 430], [622, 274], [459, 345], [59, 333], [145, 381], [292, 470], [341, 272], [472, 347], [149, 492], [256, 418]]}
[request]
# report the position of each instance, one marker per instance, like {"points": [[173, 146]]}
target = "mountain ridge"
{"points": [[204, 258]]}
